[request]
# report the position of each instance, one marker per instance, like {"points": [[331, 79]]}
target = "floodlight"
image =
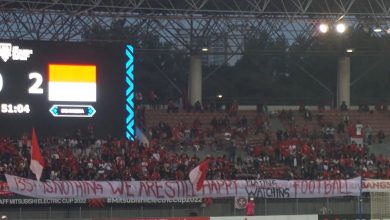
{"points": [[323, 28], [377, 29], [349, 50], [341, 27], [205, 49]]}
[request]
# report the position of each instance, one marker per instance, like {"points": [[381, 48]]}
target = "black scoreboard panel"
{"points": [[58, 87]]}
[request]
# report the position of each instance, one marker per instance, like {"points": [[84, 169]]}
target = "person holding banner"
{"points": [[250, 207]]}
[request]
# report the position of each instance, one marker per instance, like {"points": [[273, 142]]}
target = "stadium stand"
{"points": [[240, 146]]}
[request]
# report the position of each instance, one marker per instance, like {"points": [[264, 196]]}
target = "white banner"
{"points": [[165, 190], [372, 185]]}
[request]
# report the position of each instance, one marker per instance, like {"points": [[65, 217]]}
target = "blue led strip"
{"points": [[130, 125]]}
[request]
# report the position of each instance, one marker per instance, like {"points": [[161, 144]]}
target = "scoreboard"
{"points": [[59, 87]]}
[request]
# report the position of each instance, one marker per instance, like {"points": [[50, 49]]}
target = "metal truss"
{"points": [[186, 24], [187, 7]]}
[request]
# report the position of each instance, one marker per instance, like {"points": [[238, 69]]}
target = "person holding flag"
{"points": [[37, 163], [198, 175]]}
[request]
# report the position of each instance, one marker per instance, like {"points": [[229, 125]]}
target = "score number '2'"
{"points": [[35, 88]]}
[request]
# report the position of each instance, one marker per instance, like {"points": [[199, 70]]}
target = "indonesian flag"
{"points": [[198, 174], [72, 83], [37, 163]]}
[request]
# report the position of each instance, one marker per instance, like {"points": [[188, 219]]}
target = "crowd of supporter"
{"points": [[235, 148]]}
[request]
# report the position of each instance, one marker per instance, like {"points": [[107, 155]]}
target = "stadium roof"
{"points": [[187, 23], [370, 8]]}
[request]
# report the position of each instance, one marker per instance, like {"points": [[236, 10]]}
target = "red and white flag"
{"points": [[198, 174], [37, 163]]}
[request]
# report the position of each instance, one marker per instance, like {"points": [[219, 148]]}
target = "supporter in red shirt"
{"points": [[155, 175], [250, 207]]}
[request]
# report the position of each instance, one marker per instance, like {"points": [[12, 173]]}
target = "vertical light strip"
{"points": [[130, 125]]}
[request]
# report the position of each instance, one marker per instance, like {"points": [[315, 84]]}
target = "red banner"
{"points": [[4, 191]]}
